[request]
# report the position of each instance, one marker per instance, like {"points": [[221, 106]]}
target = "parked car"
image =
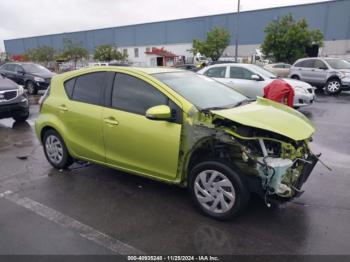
{"points": [[279, 69], [181, 128], [251, 79], [189, 67], [331, 73], [13, 101], [118, 64], [32, 76]]}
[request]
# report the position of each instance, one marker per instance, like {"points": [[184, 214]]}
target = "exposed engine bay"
{"points": [[281, 163]]}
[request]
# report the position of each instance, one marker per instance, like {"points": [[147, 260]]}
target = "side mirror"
{"points": [[20, 72], [161, 112], [323, 68], [255, 77]]}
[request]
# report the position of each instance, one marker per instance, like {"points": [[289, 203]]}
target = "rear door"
{"points": [[82, 114], [307, 70], [134, 142]]}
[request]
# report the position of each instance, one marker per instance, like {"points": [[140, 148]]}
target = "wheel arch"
{"points": [[333, 77], [211, 149]]}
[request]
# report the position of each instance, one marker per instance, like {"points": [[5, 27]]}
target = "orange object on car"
{"points": [[280, 91]]}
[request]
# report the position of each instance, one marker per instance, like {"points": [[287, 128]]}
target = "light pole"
{"points": [[237, 29]]}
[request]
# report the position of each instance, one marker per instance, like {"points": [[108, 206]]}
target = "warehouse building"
{"points": [[142, 42]]}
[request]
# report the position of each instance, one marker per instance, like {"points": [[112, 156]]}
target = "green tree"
{"points": [[74, 51], [42, 54], [215, 44], [108, 53], [286, 40]]}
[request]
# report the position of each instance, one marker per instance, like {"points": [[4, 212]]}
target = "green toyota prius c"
{"points": [[181, 128]]}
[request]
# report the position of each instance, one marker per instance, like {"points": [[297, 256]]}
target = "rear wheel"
{"points": [[56, 151], [333, 86], [217, 190], [32, 90], [295, 77]]}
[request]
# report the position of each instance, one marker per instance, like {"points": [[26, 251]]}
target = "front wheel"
{"points": [[333, 86], [217, 190], [56, 151]]}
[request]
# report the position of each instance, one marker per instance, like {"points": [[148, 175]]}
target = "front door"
{"points": [[241, 79], [134, 142]]}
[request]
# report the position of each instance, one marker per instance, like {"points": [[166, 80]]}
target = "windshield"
{"points": [[35, 69], [262, 72], [201, 91], [338, 63]]}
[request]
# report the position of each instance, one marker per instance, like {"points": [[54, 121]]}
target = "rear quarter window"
{"points": [[69, 86]]}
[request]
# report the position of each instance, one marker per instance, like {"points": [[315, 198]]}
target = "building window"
{"points": [[136, 52], [148, 49], [125, 52]]}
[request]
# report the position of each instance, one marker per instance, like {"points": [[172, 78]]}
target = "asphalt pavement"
{"points": [[92, 209]]}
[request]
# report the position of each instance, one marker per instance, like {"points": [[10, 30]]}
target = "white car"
{"points": [[251, 79]]}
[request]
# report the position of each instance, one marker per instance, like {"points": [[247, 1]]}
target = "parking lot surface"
{"points": [[91, 209]]}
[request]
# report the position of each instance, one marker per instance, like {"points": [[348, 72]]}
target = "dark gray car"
{"points": [[331, 73], [32, 76], [13, 101]]}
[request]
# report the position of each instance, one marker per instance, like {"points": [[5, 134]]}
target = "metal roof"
{"points": [[331, 17]]}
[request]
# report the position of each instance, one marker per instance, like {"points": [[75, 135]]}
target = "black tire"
{"points": [[66, 160], [295, 77], [32, 89], [21, 118], [333, 86], [241, 192]]}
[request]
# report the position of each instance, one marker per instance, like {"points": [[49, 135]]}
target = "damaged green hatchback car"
{"points": [[181, 128]]}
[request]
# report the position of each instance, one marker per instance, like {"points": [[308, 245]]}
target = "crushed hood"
{"points": [[271, 116]]}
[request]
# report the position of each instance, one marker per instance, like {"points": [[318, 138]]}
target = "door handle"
{"points": [[111, 121], [63, 108]]}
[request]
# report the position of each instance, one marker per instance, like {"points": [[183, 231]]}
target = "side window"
{"points": [[320, 64], [135, 95], [4, 67], [68, 86], [310, 63], [10, 67], [299, 64], [278, 66], [18, 69], [240, 73], [217, 72], [286, 66], [88, 87]]}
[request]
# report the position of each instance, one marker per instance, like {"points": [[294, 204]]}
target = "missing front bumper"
{"points": [[305, 173]]}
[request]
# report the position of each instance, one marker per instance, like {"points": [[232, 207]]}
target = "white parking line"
{"points": [[83, 230]]}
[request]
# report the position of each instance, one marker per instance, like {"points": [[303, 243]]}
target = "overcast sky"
{"points": [[23, 18]]}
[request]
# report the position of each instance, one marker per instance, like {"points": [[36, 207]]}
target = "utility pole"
{"points": [[237, 30]]}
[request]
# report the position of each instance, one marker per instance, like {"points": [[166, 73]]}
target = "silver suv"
{"points": [[331, 73]]}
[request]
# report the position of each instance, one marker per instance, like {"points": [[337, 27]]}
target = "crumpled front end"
{"points": [[273, 165], [284, 174]]}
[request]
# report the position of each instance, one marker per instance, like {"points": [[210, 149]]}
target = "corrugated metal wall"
{"points": [[332, 18]]}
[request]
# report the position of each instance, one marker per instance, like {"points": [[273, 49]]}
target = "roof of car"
{"points": [[155, 70], [139, 70]]}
